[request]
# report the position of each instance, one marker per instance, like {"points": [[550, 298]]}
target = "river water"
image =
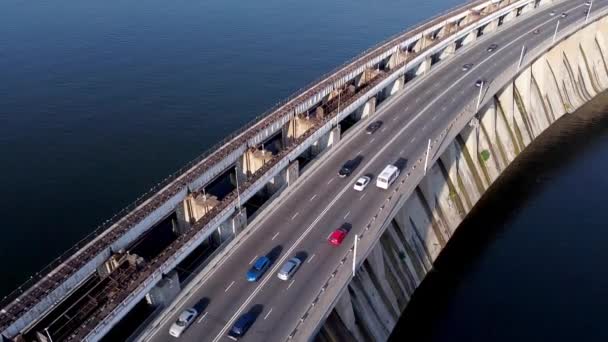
{"points": [[528, 263], [101, 100]]}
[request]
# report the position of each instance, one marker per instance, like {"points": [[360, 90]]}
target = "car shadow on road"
{"points": [[274, 254], [202, 304], [302, 255]]}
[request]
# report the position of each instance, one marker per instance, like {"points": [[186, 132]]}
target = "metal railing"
{"points": [[128, 212]]}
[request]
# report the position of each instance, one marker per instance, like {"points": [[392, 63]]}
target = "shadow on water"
{"points": [[534, 169]]}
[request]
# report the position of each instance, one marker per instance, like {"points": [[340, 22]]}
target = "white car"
{"points": [[184, 320], [361, 183], [289, 268]]}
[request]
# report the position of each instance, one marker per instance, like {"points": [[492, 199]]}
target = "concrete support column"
{"points": [[231, 227], [293, 172], [369, 108], [184, 217], [424, 67], [470, 38], [165, 291], [396, 86], [326, 141], [344, 309], [492, 26], [449, 51]]}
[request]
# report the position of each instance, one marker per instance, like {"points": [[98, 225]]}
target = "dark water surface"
{"points": [[99, 100], [529, 262]]}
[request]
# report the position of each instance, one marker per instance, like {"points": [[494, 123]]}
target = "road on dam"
{"points": [[300, 222]]}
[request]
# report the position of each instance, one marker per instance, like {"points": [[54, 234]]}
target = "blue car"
{"points": [[241, 325], [258, 269]]}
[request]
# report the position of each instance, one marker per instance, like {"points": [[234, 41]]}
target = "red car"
{"points": [[337, 236]]}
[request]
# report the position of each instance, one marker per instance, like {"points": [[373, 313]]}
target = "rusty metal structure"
{"points": [[111, 291]]}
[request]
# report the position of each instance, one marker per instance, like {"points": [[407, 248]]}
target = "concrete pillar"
{"points": [[396, 59], [396, 86], [253, 159], [183, 217], [327, 140], [293, 172], [297, 126], [369, 108], [165, 291], [492, 26], [470, 38], [448, 51], [424, 67], [344, 309], [232, 226]]}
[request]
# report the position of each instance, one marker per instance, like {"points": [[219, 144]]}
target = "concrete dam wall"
{"points": [[559, 81]]}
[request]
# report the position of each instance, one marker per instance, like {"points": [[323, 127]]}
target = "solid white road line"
{"points": [[229, 286], [322, 214], [252, 260], [275, 236], [268, 314]]}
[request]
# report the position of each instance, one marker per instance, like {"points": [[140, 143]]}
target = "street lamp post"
{"points": [[355, 254]]}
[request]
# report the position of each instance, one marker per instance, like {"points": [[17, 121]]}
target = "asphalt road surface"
{"points": [[300, 223]]}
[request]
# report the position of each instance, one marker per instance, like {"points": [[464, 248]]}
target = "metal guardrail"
{"points": [[396, 197], [127, 214]]}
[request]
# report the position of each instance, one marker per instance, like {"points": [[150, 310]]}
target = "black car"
{"points": [[350, 166], [241, 325], [479, 83], [467, 67], [492, 47], [373, 127], [345, 171]]}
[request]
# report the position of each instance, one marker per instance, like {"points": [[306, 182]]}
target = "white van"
{"points": [[387, 177]]}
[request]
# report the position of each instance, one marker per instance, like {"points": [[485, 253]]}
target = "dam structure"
{"points": [[458, 97]]}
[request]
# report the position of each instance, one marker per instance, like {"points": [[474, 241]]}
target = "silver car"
{"points": [[184, 320], [289, 268]]}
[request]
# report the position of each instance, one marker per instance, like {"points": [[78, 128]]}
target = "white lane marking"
{"points": [[268, 314], [295, 215], [371, 141], [312, 257], [202, 317], [275, 236], [252, 260], [313, 197], [395, 118], [360, 198], [229, 286], [322, 214], [384, 129], [412, 140], [331, 180], [345, 216], [288, 286]]}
